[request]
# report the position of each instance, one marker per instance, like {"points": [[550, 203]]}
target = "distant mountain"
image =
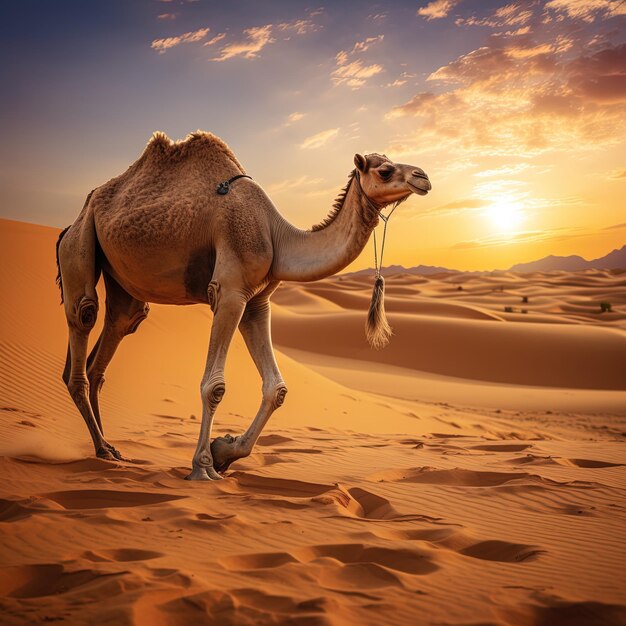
{"points": [[422, 270], [612, 261], [570, 263]]}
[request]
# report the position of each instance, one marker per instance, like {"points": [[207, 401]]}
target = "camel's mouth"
{"points": [[420, 186]]}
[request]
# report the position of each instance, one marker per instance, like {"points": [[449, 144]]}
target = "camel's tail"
{"points": [[59, 280]]}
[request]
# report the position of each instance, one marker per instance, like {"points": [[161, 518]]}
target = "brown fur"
{"points": [[161, 147]]}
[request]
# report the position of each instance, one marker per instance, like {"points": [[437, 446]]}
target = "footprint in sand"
{"points": [[105, 498], [343, 566], [121, 555], [272, 440], [37, 581], [453, 477], [279, 486], [534, 459], [456, 541], [507, 447]]}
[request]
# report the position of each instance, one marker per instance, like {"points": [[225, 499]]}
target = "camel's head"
{"points": [[385, 182]]}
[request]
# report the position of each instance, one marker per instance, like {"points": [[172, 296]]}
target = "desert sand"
{"points": [[473, 472]]}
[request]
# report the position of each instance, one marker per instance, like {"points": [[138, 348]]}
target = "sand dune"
{"points": [[471, 473]]}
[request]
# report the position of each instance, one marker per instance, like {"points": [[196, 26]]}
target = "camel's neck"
{"points": [[306, 255]]}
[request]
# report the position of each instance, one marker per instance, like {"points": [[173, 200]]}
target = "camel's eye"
{"points": [[385, 174]]}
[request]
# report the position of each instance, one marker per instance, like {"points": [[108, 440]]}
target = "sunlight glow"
{"points": [[505, 214]]}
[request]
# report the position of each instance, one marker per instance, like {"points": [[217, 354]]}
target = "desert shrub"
{"points": [[525, 299], [508, 309], [524, 311], [459, 288], [605, 307]]}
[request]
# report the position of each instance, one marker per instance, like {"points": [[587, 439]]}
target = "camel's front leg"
{"points": [[228, 308], [255, 328]]}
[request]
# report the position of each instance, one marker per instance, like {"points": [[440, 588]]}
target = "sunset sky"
{"points": [[516, 110]]}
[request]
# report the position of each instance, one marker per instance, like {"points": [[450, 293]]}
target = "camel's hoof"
{"points": [[203, 473], [110, 453], [107, 455], [223, 452]]}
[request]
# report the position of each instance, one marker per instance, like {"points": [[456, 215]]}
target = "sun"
{"points": [[505, 214]]}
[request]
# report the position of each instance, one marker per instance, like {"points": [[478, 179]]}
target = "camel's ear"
{"points": [[361, 163]]}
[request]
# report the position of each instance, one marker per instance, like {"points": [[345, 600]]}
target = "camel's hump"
{"points": [[199, 144]]}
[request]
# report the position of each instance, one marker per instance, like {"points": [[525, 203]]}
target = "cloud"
{"points": [[215, 39], [295, 117], [300, 27], [437, 9], [251, 41], [366, 44], [294, 183], [601, 76], [258, 37], [319, 139], [355, 74], [529, 236], [520, 98], [617, 174], [586, 10], [403, 79], [167, 16], [353, 71], [509, 15], [615, 226], [456, 207], [161, 45], [467, 203], [504, 170]]}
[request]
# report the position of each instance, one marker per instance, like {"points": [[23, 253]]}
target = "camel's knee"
{"points": [[78, 388], [137, 318], [275, 395], [84, 314], [213, 391], [96, 380]]}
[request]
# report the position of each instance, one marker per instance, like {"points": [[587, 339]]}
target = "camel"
{"points": [[165, 232]]}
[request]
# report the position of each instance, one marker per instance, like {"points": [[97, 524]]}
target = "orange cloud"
{"points": [[354, 72], [294, 183], [437, 9], [319, 139], [587, 10], [529, 236], [617, 174], [296, 116], [161, 45], [215, 39], [515, 14], [455, 207], [258, 37], [521, 99]]}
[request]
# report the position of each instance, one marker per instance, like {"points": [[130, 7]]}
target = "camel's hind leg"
{"points": [[123, 315], [77, 266]]}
